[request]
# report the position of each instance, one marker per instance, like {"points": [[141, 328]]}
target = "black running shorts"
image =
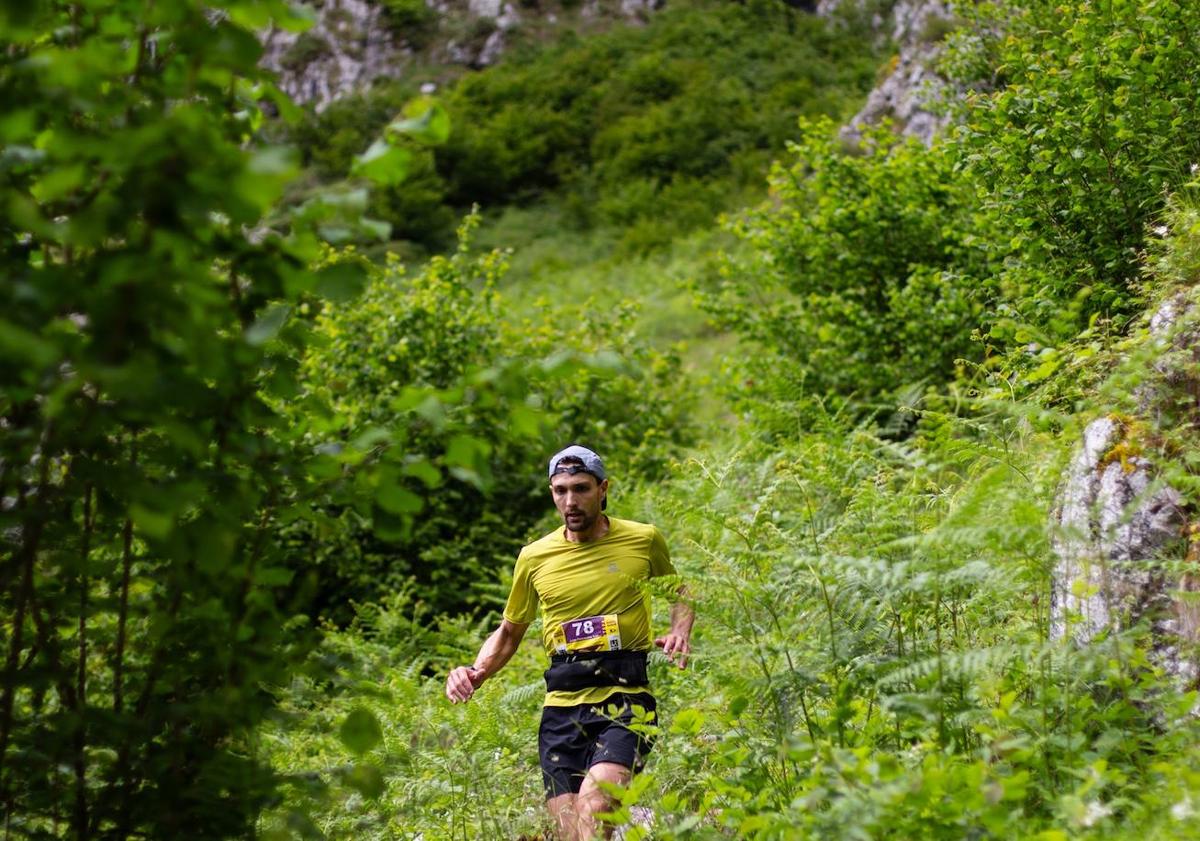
{"points": [[573, 739]]}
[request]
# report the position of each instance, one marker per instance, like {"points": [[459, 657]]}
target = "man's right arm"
{"points": [[497, 650]]}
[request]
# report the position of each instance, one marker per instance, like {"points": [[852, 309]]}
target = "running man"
{"points": [[596, 629]]}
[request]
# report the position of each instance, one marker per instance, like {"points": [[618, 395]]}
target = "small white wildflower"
{"points": [[1195, 168], [1182, 810], [1095, 812], [1162, 230]]}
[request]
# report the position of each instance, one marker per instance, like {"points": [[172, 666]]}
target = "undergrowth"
{"points": [[873, 660]]}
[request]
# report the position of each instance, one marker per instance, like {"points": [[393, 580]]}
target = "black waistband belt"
{"points": [[571, 672]]}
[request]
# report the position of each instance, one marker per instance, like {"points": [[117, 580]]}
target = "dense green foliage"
{"points": [[1090, 127], [855, 271], [875, 656], [141, 468], [375, 360], [1023, 224], [223, 420], [873, 661], [148, 474], [652, 129]]}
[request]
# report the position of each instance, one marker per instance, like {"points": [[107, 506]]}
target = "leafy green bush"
{"points": [[432, 330], [431, 767], [677, 99], [854, 282], [871, 660], [1023, 225], [1092, 122], [330, 141], [147, 472]]}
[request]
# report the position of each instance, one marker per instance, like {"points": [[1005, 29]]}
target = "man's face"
{"points": [[577, 496]]}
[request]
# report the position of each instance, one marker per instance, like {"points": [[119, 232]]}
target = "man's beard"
{"points": [[584, 524]]}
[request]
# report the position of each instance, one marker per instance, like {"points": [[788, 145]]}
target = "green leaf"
{"points": [[273, 576], [610, 361], [280, 161], [151, 523], [391, 529], [424, 471], [370, 438], [360, 731], [471, 477], [396, 499], [525, 420], [322, 467], [249, 15], [268, 325], [383, 163], [257, 15], [267, 172], [60, 182], [433, 410], [424, 120], [367, 780], [289, 111], [20, 345], [376, 228], [688, 721], [465, 451], [341, 282], [737, 705]]}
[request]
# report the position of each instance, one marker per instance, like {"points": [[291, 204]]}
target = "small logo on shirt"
{"points": [[612, 567]]}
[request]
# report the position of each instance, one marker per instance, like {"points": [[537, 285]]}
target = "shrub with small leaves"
{"points": [[854, 281]]}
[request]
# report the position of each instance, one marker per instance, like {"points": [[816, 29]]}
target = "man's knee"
{"points": [[592, 795], [608, 772]]}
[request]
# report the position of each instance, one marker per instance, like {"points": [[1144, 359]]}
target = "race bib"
{"points": [[590, 633]]}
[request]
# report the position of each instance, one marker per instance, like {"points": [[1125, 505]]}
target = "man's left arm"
{"points": [[676, 643]]}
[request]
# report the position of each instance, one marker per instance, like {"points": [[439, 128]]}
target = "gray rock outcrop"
{"points": [[909, 94], [354, 42], [1117, 518], [1113, 518], [347, 48]]}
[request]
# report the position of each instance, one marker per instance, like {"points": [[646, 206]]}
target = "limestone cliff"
{"points": [[352, 43], [1120, 526], [910, 87]]}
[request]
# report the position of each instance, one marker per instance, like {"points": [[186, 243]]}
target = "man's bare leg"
{"points": [[566, 822], [593, 799]]}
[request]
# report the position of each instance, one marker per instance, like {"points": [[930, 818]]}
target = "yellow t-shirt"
{"points": [[589, 595]]}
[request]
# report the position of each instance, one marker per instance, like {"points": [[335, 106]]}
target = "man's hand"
{"points": [[675, 646], [462, 682]]}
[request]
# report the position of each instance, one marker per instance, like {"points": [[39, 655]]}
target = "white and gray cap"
{"points": [[590, 461]]}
